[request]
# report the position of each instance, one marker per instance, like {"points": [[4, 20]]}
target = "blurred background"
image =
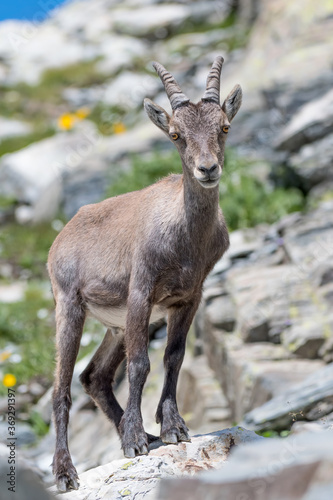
{"points": [[73, 76]]}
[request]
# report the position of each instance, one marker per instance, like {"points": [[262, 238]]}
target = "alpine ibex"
{"points": [[132, 259]]}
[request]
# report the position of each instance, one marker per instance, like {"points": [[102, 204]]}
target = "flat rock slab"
{"points": [[309, 400], [139, 478], [313, 121], [271, 469]]}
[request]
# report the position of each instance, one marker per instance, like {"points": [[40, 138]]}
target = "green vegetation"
{"points": [[233, 35], [15, 143], [25, 247], [106, 116], [28, 324], [42, 104], [54, 81], [38, 425], [272, 433], [146, 171], [245, 200], [6, 202]]}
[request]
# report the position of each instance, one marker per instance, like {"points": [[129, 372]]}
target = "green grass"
{"points": [[6, 202], [28, 324], [38, 425], [105, 116], [25, 247], [54, 81], [15, 143], [245, 200], [272, 433], [146, 171]]}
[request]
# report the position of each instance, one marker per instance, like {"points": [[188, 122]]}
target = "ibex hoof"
{"points": [[132, 452], [65, 483], [174, 435], [170, 438]]}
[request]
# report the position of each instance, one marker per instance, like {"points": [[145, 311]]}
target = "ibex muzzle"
{"points": [[135, 258]]}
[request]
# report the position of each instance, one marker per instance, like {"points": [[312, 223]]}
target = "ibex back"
{"points": [[132, 259]]}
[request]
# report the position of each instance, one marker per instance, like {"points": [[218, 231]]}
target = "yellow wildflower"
{"points": [[82, 113], [66, 121], [9, 380], [118, 128]]}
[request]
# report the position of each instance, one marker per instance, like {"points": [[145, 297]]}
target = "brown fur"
{"points": [[142, 253]]}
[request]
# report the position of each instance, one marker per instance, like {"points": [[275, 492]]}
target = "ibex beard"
{"points": [[138, 257]]}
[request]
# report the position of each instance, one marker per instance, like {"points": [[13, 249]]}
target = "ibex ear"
{"points": [[157, 114], [232, 103]]}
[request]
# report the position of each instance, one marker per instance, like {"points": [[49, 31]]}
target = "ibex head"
{"points": [[198, 130]]}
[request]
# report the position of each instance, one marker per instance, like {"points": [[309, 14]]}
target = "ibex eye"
{"points": [[225, 129], [174, 136]]}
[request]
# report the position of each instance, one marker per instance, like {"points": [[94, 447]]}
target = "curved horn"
{"points": [[174, 92], [212, 92]]}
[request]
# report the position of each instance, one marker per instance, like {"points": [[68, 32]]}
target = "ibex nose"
{"points": [[208, 170]]}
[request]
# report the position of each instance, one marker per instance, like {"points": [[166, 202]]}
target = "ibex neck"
{"points": [[201, 205]]}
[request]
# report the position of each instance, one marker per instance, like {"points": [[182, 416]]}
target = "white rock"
{"points": [[10, 37], [36, 48], [140, 477], [119, 51], [13, 128], [12, 293], [129, 89], [33, 175], [148, 18], [312, 121]]}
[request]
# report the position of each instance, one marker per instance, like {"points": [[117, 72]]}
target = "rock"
{"points": [[23, 433], [141, 476], [252, 374], [129, 89], [321, 195], [77, 157], [119, 52], [323, 273], [34, 48], [44, 406], [13, 128], [305, 338], [271, 469], [33, 175], [159, 20], [221, 313], [26, 483], [294, 403], [262, 300], [313, 163], [313, 121], [308, 242], [199, 397], [290, 47]]}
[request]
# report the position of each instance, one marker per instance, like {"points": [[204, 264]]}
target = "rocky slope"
{"points": [[72, 86], [106, 68]]}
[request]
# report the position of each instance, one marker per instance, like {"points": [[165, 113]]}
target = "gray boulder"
{"points": [[308, 400], [140, 477], [313, 163], [271, 469], [313, 121]]}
